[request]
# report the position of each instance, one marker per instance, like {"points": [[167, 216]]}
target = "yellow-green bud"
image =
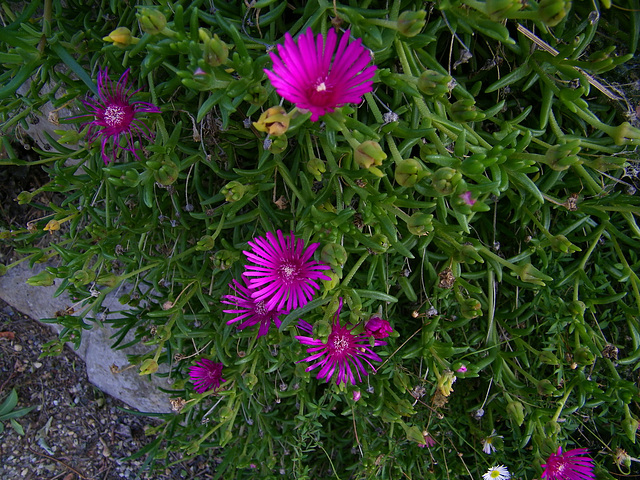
{"points": [[369, 154], [420, 223], [471, 308], [334, 254], [121, 37], [552, 12], [530, 274], [273, 121], [625, 133], [630, 427], [545, 387], [331, 284], [552, 428], [223, 259], [278, 144], [583, 356], [316, 167], [560, 243], [107, 280], [233, 191], [205, 243], [148, 367], [561, 157], [434, 83], [515, 410], [445, 180], [446, 381], [465, 111], [216, 51], [167, 173], [250, 380], [411, 23], [382, 241], [24, 198], [83, 277], [42, 279], [152, 21], [408, 172], [256, 95]]}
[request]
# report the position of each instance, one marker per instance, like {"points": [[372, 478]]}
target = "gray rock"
{"points": [[139, 392]]}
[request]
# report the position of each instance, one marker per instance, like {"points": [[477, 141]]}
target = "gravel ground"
{"points": [[74, 431]]}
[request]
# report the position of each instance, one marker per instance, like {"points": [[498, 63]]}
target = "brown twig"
{"points": [[60, 462]]}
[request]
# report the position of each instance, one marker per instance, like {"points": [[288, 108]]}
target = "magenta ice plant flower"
{"points": [[467, 198], [206, 375], [378, 328], [249, 310], [311, 73], [282, 273], [115, 115], [343, 352], [571, 465]]}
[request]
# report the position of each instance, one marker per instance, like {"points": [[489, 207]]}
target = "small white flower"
{"points": [[497, 473], [487, 444]]}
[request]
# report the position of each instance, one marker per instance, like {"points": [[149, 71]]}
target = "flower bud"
{"points": [[330, 284], [515, 410], [83, 277], [624, 134], [356, 395], [42, 279], [583, 356], [223, 259], [445, 180], [530, 274], [434, 83], [205, 243], [382, 243], [411, 23], [408, 172], [465, 111], [148, 367], [107, 280], [552, 12], [420, 224], [471, 308], [250, 380], [545, 387], [334, 254], [316, 167], [369, 154], [560, 243], [256, 95], [121, 37], [233, 191], [377, 328], [446, 381], [167, 173], [216, 51], [52, 226], [278, 144], [24, 198], [152, 21], [561, 157], [274, 121], [630, 427], [552, 428]]}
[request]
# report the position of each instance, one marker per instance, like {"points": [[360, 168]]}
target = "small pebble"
{"points": [[17, 348]]}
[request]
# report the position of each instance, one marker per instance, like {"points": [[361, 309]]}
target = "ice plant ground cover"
{"points": [[441, 195]]}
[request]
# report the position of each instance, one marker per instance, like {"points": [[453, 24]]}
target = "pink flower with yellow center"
{"points": [[282, 272], [116, 116], [316, 76], [250, 310], [343, 352]]}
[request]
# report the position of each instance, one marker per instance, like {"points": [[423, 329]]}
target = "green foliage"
{"points": [[475, 199], [9, 412]]}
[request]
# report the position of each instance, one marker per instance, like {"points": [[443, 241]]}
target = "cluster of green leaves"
{"points": [[9, 412], [533, 288]]}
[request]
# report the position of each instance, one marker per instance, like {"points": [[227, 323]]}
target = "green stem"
{"points": [[354, 269]]}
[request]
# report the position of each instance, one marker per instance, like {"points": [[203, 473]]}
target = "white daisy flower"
{"points": [[487, 444], [497, 473]]}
